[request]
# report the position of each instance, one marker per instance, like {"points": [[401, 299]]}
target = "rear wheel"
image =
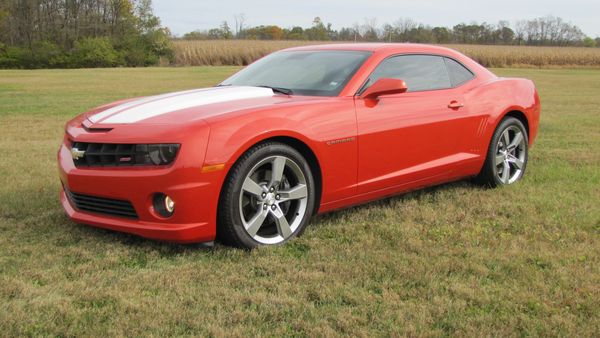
{"points": [[507, 154], [268, 198]]}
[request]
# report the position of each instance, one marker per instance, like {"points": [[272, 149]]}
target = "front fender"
{"points": [[226, 145], [318, 126]]}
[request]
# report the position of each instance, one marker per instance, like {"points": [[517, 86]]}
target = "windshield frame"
{"points": [[303, 91]]}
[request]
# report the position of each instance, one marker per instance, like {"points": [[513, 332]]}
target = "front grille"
{"points": [[108, 154], [101, 205]]}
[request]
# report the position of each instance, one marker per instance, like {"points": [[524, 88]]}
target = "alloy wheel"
{"points": [[273, 199], [510, 155]]}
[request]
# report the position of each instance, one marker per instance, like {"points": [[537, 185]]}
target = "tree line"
{"points": [[107, 33], [544, 31], [80, 33]]}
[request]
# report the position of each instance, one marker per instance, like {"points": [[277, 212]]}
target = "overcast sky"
{"points": [[183, 16]]}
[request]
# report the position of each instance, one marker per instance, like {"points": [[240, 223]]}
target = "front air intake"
{"points": [[101, 205]]}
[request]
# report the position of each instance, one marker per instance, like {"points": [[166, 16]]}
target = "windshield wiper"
{"points": [[279, 90]]}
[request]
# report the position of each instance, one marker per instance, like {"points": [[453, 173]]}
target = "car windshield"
{"points": [[311, 73]]}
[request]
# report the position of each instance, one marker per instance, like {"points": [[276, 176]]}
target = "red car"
{"points": [[302, 131]]}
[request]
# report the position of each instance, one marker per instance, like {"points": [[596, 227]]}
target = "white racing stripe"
{"points": [[121, 107], [152, 106]]}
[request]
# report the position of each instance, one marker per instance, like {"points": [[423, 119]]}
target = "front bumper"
{"points": [[195, 194], [178, 233]]}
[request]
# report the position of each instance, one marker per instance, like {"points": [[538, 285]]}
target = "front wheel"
{"points": [[268, 197], [507, 154]]}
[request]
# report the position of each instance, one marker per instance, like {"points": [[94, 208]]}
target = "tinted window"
{"points": [[458, 73], [320, 73], [420, 72]]}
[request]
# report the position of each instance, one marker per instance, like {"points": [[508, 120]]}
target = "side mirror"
{"points": [[385, 86]]}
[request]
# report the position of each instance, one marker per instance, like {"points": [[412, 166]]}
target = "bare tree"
{"points": [[520, 31], [403, 27], [369, 30], [240, 20]]}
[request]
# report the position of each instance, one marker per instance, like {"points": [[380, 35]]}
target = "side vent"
{"points": [[481, 128]]}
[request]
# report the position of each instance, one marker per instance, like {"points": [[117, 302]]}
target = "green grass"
{"points": [[451, 260]]}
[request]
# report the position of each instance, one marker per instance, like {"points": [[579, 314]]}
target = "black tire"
{"points": [[231, 218], [491, 173]]}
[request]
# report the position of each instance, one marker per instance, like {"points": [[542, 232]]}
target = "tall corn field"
{"points": [[227, 52], [243, 52], [524, 56]]}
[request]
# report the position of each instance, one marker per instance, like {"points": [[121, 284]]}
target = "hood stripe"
{"points": [[153, 106], [121, 107]]}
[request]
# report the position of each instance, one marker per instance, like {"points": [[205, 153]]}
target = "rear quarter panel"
{"points": [[497, 98]]}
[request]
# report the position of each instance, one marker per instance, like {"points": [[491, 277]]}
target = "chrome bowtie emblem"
{"points": [[77, 154]]}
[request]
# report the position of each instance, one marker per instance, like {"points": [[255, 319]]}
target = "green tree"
{"points": [[196, 35], [589, 42], [506, 35], [441, 35], [221, 33], [346, 34], [94, 52], [47, 32], [318, 31], [226, 31], [296, 33]]}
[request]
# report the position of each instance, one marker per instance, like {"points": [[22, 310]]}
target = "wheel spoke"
{"points": [[516, 141], [283, 227], [252, 187], [298, 192], [277, 170], [517, 162], [499, 159], [256, 222], [505, 173], [506, 138]]}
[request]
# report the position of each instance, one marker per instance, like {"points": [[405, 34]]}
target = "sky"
{"points": [[184, 16]]}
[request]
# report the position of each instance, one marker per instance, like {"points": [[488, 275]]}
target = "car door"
{"points": [[408, 137]]}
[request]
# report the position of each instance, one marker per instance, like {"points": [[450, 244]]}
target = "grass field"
{"points": [[451, 260], [242, 52]]}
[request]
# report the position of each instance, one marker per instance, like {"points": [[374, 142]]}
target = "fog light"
{"points": [[169, 204], [163, 205]]}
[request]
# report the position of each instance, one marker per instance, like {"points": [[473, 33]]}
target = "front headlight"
{"points": [[110, 154], [156, 154]]}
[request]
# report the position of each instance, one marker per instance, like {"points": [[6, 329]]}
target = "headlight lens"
{"points": [[156, 154], [118, 155]]}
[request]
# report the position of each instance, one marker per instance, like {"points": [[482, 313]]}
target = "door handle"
{"points": [[455, 105]]}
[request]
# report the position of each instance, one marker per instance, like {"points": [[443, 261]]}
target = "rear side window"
{"points": [[420, 72], [459, 74]]}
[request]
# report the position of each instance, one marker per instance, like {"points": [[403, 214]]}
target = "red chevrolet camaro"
{"points": [[300, 131]]}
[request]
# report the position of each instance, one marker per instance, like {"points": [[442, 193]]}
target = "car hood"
{"points": [[185, 106]]}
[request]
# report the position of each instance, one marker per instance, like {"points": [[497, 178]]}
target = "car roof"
{"points": [[378, 47]]}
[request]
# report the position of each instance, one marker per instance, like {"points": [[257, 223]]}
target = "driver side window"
{"points": [[420, 72]]}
